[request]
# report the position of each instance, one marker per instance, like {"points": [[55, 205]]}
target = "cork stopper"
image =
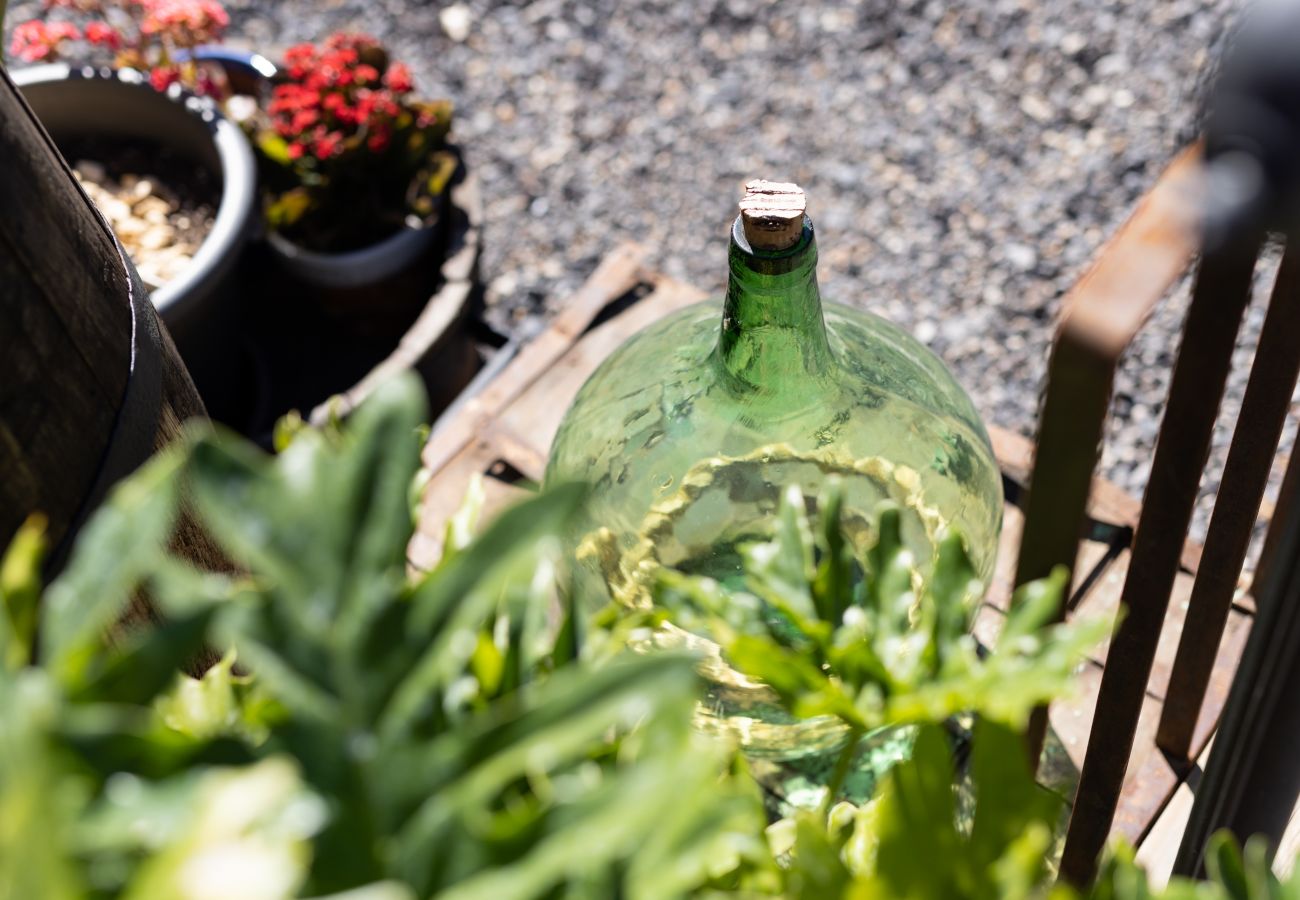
{"points": [[772, 214]]}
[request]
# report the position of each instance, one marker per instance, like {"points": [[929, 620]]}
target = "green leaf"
{"points": [[1008, 804], [1034, 606], [956, 592], [453, 600], [463, 524], [41, 797], [916, 827], [781, 571], [384, 890], [833, 584], [114, 552], [816, 867], [255, 820], [890, 565], [273, 147], [431, 181], [288, 208], [20, 591], [219, 703], [457, 775], [146, 662]]}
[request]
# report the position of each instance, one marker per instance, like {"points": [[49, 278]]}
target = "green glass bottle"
{"points": [[690, 431]]}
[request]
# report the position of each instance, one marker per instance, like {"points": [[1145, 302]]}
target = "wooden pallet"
{"points": [[504, 433]]}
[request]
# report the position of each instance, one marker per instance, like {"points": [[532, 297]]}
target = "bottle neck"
{"points": [[773, 333]]}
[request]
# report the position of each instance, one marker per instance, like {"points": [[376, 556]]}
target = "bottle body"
{"points": [[683, 457], [691, 431]]}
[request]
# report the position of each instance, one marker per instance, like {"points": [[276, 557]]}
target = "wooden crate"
{"points": [[505, 430]]}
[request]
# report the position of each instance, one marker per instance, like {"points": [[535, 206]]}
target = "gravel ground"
{"points": [[964, 161]]}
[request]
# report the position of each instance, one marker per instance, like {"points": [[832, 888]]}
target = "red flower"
{"points": [[304, 119], [163, 77], [398, 78], [36, 40], [328, 144], [337, 103], [188, 22], [292, 97], [103, 34], [300, 55]]}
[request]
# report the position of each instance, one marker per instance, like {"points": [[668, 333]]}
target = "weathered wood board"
{"points": [[504, 434]]}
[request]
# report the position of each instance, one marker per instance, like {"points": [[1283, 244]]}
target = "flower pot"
{"points": [[356, 269], [323, 350], [379, 289], [75, 103]]}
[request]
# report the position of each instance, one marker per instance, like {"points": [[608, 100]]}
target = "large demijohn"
{"points": [[690, 430]]}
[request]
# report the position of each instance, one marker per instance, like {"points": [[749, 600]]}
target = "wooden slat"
{"points": [[616, 274], [1108, 503], [1151, 780], [1158, 849], [1094, 558], [1218, 300], [539, 408], [1245, 477], [1137, 266], [516, 416], [1104, 601], [1288, 495]]}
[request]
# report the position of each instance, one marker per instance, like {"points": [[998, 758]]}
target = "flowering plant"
{"points": [[154, 36], [351, 156]]}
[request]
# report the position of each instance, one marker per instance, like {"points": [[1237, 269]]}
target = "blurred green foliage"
{"points": [[372, 734]]}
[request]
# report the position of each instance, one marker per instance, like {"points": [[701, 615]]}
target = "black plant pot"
{"points": [[198, 306]]}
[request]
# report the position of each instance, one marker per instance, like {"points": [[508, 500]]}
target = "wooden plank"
{"points": [[1094, 557], [1151, 777], [445, 492], [1002, 583], [516, 416], [616, 274], [1137, 266], [1100, 317], [1107, 501], [541, 406], [1070, 731], [1102, 600], [1158, 849]]}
